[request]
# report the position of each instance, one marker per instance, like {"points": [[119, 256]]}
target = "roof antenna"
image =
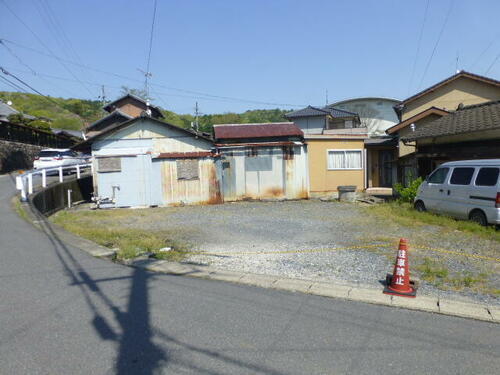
{"points": [[456, 64]]}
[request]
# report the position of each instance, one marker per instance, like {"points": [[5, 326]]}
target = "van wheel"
{"points": [[478, 217], [419, 206]]}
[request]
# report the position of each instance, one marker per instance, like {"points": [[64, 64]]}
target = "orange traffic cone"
{"points": [[399, 283]]}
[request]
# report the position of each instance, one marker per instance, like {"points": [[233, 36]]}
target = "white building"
{"points": [[376, 114]]}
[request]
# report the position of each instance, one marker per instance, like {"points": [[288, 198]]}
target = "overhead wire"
{"points": [[418, 47], [66, 45], [148, 73], [492, 64], [32, 71], [12, 84], [4, 71], [202, 95], [437, 42], [44, 45]]}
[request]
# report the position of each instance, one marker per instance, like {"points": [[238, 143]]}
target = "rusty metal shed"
{"points": [[147, 162], [262, 161]]}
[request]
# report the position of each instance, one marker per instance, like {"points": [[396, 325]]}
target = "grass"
{"points": [[405, 214], [432, 271], [436, 273], [98, 226], [18, 207]]}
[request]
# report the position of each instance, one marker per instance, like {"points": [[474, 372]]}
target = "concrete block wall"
{"points": [[55, 197]]}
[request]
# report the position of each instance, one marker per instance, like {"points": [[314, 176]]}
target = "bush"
{"points": [[408, 194]]}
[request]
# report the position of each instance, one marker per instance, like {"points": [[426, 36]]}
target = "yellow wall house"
{"points": [[441, 99], [336, 151]]}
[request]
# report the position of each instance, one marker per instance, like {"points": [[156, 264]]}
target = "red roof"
{"points": [[263, 130]]}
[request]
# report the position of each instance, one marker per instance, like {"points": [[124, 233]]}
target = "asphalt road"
{"points": [[64, 312]]}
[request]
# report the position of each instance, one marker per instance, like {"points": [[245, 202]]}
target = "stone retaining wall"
{"points": [[14, 155]]}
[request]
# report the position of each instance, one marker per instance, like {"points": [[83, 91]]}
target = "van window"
{"points": [[438, 176], [487, 177], [461, 176]]}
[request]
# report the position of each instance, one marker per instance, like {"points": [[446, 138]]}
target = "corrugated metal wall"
{"points": [[204, 189], [264, 173]]}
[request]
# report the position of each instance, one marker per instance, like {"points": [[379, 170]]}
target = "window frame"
{"points": [[191, 160], [360, 150]]}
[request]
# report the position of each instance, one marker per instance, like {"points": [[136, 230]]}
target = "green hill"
{"points": [[74, 113]]}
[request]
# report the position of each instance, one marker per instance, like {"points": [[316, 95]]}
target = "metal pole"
{"points": [[69, 198], [60, 174], [78, 171], [24, 197], [44, 178], [30, 184]]}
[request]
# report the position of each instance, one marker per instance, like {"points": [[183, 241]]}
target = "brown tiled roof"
{"points": [[262, 130], [469, 119], [418, 116], [460, 74]]}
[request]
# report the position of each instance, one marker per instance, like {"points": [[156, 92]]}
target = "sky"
{"points": [[236, 55]]}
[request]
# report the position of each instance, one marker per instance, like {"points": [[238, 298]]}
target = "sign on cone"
{"points": [[399, 283]]}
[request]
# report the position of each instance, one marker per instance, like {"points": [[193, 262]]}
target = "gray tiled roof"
{"points": [[6, 110], [469, 119], [311, 111]]}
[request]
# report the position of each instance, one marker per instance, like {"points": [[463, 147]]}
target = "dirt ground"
{"points": [[325, 241]]}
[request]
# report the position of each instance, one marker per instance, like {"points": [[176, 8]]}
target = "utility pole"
{"points": [[326, 96], [103, 96], [146, 83], [196, 114], [456, 64]]}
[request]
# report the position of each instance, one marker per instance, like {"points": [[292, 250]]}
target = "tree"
{"points": [[141, 93]]}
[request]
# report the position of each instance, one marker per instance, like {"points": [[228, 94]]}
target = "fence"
{"points": [[25, 134], [24, 182]]}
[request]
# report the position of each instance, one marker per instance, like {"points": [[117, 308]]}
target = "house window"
{"points": [[187, 169], [111, 164], [345, 159]]}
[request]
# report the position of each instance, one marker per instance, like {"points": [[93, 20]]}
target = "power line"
{"points": [[201, 94], [12, 84], [493, 63], [483, 52], [30, 87], [32, 71], [44, 45], [437, 42], [418, 47], [147, 74]]}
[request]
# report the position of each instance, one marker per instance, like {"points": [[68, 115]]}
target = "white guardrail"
{"points": [[24, 182]]}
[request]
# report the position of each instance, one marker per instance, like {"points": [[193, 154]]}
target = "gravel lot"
{"points": [[296, 239]]}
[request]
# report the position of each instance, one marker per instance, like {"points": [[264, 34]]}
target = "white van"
{"points": [[468, 189]]}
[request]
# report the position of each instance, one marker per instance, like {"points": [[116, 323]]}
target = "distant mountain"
{"points": [[74, 113]]}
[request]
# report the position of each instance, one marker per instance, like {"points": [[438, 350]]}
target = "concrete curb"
{"points": [[349, 292]]}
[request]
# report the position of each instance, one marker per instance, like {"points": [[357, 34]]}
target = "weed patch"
{"points": [[405, 214], [130, 242], [432, 271], [18, 207]]}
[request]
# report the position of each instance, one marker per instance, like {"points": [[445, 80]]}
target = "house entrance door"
{"points": [[385, 165]]}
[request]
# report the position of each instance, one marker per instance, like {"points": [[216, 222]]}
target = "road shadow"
{"points": [[136, 352]]}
